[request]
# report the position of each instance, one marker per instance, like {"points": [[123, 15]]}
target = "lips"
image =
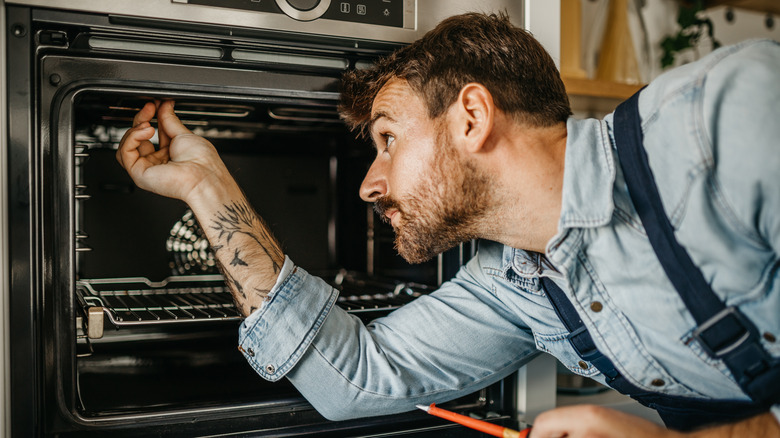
{"points": [[390, 214], [386, 209]]}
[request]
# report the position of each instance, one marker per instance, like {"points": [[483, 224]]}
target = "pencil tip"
{"points": [[423, 407]]}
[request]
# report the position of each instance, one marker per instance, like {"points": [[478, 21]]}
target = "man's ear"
{"points": [[474, 114]]}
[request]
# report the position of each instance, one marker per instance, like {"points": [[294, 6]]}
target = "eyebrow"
{"points": [[377, 116]]}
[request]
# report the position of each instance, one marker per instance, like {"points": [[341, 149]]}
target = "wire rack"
{"points": [[206, 298], [138, 301]]}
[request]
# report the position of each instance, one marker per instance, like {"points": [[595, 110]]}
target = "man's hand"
{"points": [[183, 161], [188, 167], [598, 421], [595, 421]]}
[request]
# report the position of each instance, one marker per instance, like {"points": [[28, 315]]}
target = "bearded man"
{"points": [[594, 233]]}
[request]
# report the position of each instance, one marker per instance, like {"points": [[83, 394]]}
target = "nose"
{"points": [[374, 185]]}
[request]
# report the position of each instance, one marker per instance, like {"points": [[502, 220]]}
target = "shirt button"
{"points": [[583, 364], [250, 352], [769, 337], [596, 306], [270, 369], [658, 382]]}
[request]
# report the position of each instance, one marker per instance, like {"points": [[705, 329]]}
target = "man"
{"points": [[474, 140]]}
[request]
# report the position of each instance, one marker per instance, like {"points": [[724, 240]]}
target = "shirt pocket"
{"points": [[559, 346]]}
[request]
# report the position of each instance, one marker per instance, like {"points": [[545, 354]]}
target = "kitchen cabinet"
{"points": [[595, 88], [592, 96]]}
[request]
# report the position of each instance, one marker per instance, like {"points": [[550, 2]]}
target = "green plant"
{"points": [[692, 27]]}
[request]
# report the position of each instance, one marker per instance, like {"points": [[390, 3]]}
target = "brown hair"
{"points": [[472, 47]]}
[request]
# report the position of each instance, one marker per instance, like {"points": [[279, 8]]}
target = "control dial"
{"points": [[303, 10]]}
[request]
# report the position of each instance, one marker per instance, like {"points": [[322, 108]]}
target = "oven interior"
{"points": [[156, 322], [137, 329]]}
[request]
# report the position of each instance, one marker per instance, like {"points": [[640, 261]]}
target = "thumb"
{"points": [[169, 122]]}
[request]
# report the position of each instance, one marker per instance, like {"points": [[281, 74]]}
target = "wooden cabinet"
{"points": [[589, 95], [598, 88]]}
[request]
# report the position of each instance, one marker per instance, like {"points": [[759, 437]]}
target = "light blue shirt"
{"points": [[712, 135]]}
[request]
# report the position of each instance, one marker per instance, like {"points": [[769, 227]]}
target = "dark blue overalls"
{"points": [[723, 332]]}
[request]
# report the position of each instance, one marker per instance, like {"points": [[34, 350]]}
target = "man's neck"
{"points": [[529, 164]]}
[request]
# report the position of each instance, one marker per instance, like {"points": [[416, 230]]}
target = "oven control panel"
{"points": [[388, 13], [349, 21]]}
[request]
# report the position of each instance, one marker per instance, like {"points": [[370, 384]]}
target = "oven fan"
{"points": [[189, 249]]}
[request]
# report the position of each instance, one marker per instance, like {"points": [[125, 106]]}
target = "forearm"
{"points": [[761, 426], [249, 256], [187, 167]]}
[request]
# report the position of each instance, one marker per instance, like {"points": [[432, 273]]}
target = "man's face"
{"points": [[419, 183]]}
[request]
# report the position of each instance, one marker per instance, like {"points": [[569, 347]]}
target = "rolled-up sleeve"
{"points": [[439, 347], [274, 337]]}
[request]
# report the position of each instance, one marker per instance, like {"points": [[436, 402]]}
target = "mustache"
{"points": [[383, 204]]}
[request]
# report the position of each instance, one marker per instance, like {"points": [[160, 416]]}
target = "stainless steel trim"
{"points": [[278, 58], [149, 47], [303, 15], [420, 16], [362, 65], [5, 354]]}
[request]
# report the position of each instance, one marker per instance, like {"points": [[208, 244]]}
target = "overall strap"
{"points": [[579, 337], [723, 331]]}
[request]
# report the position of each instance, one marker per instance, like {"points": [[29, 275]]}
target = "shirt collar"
{"points": [[527, 264], [588, 180], [587, 202], [588, 176]]}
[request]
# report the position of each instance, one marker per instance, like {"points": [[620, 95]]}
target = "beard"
{"points": [[445, 209]]}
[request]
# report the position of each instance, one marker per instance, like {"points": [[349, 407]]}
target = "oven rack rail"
{"points": [[132, 302]]}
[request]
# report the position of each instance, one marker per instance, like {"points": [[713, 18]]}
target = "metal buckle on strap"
{"points": [[589, 355], [726, 346]]}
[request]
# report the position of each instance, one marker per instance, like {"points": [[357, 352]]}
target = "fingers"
{"points": [[169, 124], [569, 421], [588, 420], [135, 144], [163, 139], [135, 141], [145, 115], [136, 153]]}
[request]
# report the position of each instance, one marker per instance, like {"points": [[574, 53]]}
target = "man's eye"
{"points": [[389, 139]]}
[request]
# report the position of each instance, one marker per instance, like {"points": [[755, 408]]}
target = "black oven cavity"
{"points": [[122, 323]]}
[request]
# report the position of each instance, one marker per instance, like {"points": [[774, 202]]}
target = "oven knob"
{"points": [[303, 10], [304, 5]]}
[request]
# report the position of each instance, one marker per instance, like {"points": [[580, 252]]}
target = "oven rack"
{"points": [[129, 302]]}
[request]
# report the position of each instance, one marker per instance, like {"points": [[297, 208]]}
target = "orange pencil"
{"points": [[482, 426]]}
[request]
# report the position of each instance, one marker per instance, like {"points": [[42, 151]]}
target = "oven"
{"points": [[116, 318]]}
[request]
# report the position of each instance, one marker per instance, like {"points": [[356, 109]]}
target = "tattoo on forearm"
{"points": [[240, 218], [250, 287], [231, 281], [237, 260]]}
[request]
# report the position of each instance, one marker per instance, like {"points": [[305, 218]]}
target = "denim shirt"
{"points": [[712, 136]]}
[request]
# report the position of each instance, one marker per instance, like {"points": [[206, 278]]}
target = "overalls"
{"points": [[722, 331]]}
